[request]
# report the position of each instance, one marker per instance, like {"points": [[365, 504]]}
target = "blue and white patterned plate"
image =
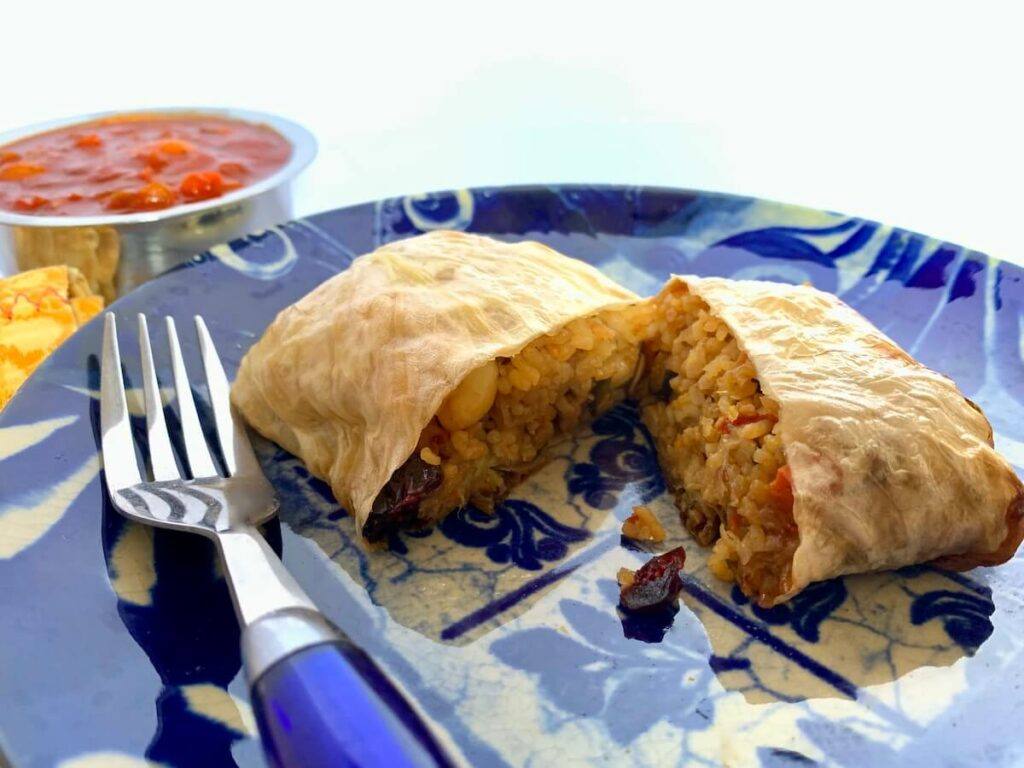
{"points": [[118, 645]]}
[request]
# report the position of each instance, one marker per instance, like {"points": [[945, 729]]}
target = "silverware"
{"points": [[319, 699]]}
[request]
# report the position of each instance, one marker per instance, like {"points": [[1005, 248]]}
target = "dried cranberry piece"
{"points": [[398, 503], [648, 626], [656, 584]]}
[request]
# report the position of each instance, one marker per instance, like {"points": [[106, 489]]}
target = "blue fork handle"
{"points": [[330, 705]]}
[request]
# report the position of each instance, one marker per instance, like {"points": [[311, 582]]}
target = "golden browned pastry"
{"points": [[39, 309]]}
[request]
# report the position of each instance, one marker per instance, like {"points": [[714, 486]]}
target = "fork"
{"points": [[319, 699]]}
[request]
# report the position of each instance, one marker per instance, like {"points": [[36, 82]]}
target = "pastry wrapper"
{"points": [[347, 377], [891, 464]]}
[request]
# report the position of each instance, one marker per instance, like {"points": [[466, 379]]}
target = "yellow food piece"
{"points": [[472, 399], [642, 525], [39, 309], [430, 457], [625, 578], [720, 563]]}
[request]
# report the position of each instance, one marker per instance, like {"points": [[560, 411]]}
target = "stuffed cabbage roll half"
{"points": [[438, 371], [804, 444]]}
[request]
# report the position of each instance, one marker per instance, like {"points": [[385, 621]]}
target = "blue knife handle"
{"points": [[330, 705]]}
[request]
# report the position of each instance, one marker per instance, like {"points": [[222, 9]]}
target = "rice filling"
{"points": [[500, 422], [717, 438], [716, 432]]}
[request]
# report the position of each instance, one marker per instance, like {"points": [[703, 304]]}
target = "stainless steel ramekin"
{"points": [[117, 253]]}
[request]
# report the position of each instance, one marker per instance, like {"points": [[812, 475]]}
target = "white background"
{"points": [[903, 112]]}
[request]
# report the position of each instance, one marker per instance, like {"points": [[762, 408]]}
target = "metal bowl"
{"points": [[119, 252]]}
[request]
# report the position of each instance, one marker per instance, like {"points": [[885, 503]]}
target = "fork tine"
{"points": [[161, 455], [200, 462], [234, 444], [119, 463]]}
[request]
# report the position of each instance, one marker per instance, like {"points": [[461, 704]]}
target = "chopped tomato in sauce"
{"points": [[19, 171], [136, 162], [152, 197], [30, 203], [88, 141], [204, 185], [235, 170]]}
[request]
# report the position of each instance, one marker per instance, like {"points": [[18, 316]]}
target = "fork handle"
{"points": [[328, 703]]}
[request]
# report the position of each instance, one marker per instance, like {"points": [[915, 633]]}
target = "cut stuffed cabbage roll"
{"points": [[438, 370], [804, 444]]}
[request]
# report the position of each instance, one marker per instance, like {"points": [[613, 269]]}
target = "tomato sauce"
{"points": [[132, 163]]}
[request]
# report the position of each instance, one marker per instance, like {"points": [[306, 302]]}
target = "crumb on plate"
{"points": [[642, 525]]}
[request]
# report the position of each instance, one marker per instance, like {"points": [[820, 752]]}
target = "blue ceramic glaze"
{"points": [[330, 706], [119, 645]]}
